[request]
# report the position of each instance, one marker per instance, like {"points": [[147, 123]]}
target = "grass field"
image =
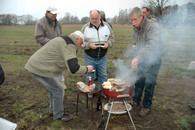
{"points": [[24, 100]]}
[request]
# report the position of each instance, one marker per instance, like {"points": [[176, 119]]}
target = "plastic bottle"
{"points": [[99, 107], [90, 88], [90, 82], [93, 85]]}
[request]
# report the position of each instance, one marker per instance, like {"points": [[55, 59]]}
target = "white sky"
{"points": [[79, 8]]}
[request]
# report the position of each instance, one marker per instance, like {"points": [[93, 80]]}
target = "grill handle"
{"points": [[122, 95]]}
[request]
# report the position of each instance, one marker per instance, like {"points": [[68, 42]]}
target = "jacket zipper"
{"points": [[99, 43]]}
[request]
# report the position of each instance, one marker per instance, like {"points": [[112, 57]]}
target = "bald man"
{"points": [[98, 38]]}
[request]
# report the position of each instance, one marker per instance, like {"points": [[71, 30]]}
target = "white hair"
{"points": [[135, 10]]}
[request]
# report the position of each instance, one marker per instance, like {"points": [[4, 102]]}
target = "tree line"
{"points": [[160, 9]]}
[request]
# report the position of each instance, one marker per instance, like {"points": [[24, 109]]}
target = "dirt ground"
{"points": [[171, 98], [24, 101]]}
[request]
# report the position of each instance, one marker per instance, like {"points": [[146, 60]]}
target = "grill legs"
{"points": [[110, 111], [129, 115]]}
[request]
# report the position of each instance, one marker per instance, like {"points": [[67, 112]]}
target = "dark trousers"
{"points": [[147, 75]]}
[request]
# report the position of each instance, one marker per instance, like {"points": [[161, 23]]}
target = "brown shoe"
{"points": [[144, 111], [66, 117]]}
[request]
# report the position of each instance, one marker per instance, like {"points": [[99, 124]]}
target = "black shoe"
{"points": [[192, 106], [96, 79], [66, 117], [50, 114]]}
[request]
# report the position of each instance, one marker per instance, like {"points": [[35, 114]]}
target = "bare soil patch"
{"points": [[161, 117]]}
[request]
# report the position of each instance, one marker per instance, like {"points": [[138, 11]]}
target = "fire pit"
{"points": [[115, 90]]}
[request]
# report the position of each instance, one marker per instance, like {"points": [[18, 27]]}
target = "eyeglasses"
{"points": [[135, 19]]}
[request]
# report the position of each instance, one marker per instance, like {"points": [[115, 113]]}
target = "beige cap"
{"points": [[80, 34], [53, 10]]}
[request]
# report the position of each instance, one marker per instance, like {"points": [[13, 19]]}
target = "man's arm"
{"points": [[40, 34]]}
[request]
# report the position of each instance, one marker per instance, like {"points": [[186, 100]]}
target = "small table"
{"points": [[86, 94]]}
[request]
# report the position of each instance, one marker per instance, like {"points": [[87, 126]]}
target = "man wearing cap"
{"points": [[48, 63], [48, 27]]}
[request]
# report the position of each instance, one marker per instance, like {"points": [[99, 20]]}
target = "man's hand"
{"points": [[90, 68], [105, 46], [93, 46], [134, 63]]}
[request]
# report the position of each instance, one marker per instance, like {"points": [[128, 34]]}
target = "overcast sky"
{"points": [[79, 8]]}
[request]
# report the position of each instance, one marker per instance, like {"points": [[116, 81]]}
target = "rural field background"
{"points": [[23, 100]]}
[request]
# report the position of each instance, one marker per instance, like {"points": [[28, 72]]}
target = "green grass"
{"points": [[56, 124], [183, 122]]}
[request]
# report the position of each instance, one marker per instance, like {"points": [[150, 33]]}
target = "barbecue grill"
{"points": [[117, 98]]}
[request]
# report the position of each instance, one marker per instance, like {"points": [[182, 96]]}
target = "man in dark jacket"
{"points": [[103, 17], [146, 12], [48, 27], [148, 53]]}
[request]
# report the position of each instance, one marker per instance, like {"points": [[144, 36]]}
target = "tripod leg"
{"points": [[109, 115], [129, 115]]}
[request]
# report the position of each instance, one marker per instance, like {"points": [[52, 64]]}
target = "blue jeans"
{"points": [[56, 94], [147, 75], [100, 65]]}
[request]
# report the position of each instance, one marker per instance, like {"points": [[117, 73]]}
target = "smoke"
{"points": [[177, 35], [124, 71]]}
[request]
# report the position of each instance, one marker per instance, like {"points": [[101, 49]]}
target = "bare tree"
{"points": [[66, 19], [157, 7], [69, 19], [123, 17], [29, 20], [7, 20], [14, 20], [75, 20], [84, 20], [114, 20], [190, 9]]}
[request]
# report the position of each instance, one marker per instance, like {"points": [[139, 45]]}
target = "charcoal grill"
{"points": [[118, 97]]}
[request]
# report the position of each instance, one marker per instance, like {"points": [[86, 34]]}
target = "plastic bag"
{"points": [[83, 87]]}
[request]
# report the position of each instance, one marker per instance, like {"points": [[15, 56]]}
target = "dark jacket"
{"points": [[148, 41], [45, 30]]}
